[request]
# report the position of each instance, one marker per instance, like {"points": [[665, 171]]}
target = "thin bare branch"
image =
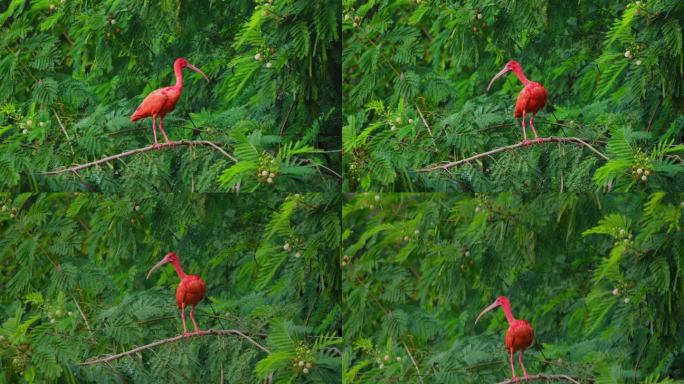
{"points": [[121, 155], [577, 140], [541, 377], [282, 126], [650, 121], [408, 351], [64, 131], [434, 143], [174, 339], [85, 319]]}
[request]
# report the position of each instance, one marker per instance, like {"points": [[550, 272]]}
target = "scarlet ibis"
{"points": [[519, 335], [190, 290], [530, 100], [163, 100]]}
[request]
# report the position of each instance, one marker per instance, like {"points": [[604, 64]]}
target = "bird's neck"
{"points": [[518, 73], [178, 70], [509, 314], [179, 270]]}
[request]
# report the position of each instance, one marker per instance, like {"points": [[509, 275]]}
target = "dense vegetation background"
{"points": [[68, 257], [598, 276], [72, 73], [613, 69]]}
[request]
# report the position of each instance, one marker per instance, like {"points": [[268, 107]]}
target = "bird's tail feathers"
{"points": [[137, 116]]}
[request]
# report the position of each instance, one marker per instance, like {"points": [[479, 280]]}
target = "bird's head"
{"points": [[182, 63], [501, 301], [168, 258], [510, 66]]}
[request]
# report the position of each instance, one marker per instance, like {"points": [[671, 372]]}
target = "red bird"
{"points": [[190, 290], [163, 100], [530, 100], [519, 335]]}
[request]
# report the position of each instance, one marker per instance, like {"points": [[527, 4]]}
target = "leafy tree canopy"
{"points": [[72, 73], [72, 277], [598, 277], [415, 78]]}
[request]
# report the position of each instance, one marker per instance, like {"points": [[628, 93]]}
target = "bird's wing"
{"points": [[524, 332], [180, 294], [519, 335], [152, 104], [531, 99], [190, 290], [196, 286]]}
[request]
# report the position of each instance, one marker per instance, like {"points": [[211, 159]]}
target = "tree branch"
{"points": [[434, 143], [577, 140], [308, 161], [121, 155], [64, 131], [542, 377], [408, 351], [157, 343]]}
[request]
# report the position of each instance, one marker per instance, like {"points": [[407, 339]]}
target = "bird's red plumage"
{"points": [[190, 291], [158, 103], [163, 100], [519, 336], [531, 99]]}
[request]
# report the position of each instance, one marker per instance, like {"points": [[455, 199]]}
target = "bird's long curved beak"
{"points": [[197, 70], [501, 73], [159, 264], [494, 305]]}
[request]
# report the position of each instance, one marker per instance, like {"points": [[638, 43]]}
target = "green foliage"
{"points": [[415, 78], [598, 277], [73, 72], [73, 276]]}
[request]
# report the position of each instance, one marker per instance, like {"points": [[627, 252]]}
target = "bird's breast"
{"points": [[190, 291], [519, 336], [172, 96], [531, 99]]}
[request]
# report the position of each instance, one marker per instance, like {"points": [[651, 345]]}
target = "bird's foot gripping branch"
{"points": [[169, 144], [522, 144]]}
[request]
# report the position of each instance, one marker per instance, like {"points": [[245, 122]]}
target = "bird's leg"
{"points": [[521, 364], [185, 329], [510, 354], [161, 126], [192, 317], [523, 128], [154, 131], [536, 137]]}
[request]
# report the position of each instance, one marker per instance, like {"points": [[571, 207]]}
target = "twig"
{"points": [[334, 350], [650, 121], [308, 161], [141, 150], [408, 351], [282, 126], [446, 166], [174, 339], [426, 125], [65, 132], [71, 42], [115, 371], [90, 330], [542, 377]]}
